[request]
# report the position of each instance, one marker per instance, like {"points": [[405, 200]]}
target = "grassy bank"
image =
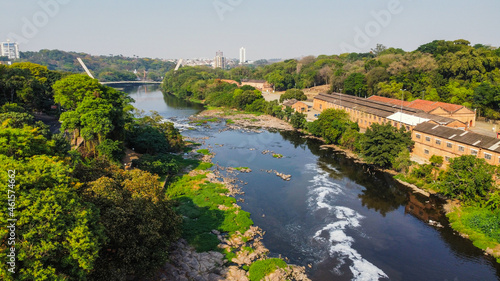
{"points": [[212, 221], [480, 225], [470, 183]]}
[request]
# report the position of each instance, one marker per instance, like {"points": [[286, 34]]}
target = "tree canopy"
{"points": [[381, 144]]}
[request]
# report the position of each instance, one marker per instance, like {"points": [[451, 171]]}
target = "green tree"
{"points": [[70, 91], [152, 135], [467, 178], [139, 223], [293, 94], [259, 105], [112, 150], [374, 77], [161, 164], [24, 142], [355, 84], [246, 98], [57, 234], [382, 144], [487, 97], [331, 125], [402, 162], [298, 120], [276, 79]]}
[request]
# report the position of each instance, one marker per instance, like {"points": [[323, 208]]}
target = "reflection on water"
{"points": [[425, 209], [149, 97], [339, 219]]}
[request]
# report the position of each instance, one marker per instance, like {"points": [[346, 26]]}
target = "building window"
{"points": [[426, 151], [461, 148], [473, 152], [320, 106], [417, 136], [447, 158], [487, 156], [449, 145], [438, 142], [379, 119], [427, 138]]}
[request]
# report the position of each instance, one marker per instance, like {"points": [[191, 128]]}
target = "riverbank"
{"points": [[222, 243], [244, 121]]}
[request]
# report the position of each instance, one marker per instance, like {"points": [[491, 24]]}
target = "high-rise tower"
{"points": [[243, 58], [219, 60], [9, 50]]}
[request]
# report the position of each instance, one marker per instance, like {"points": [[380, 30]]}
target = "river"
{"points": [[336, 217]]}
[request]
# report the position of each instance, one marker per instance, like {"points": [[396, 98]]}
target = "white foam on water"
{"points": [[180, 124], [323, 193]]}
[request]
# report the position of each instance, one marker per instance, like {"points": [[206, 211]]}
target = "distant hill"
{"points": [[104, 68]]}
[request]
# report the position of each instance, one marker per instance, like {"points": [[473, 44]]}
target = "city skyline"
{"points": [[277, 29]]}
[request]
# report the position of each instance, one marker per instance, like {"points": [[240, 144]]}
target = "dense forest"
{"points": [[448, 71], [80, 215], [77, 209], [104, 68]]}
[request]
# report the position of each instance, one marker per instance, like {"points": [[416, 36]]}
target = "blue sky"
{"points": [[268, 29]]}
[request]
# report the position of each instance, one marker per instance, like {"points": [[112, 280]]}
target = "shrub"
{"points": [[161, 164], [113, 150], [293, 94], [468, 178], [383, 143], [260, 269]]}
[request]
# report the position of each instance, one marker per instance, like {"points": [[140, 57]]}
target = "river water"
{"points": [[338, 218]]}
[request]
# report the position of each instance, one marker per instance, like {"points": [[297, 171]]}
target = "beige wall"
{"points": [[300, 107], [463, 115], [363, 119], [428, 145], [261, 86]]}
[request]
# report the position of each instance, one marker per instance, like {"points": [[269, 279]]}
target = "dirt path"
{"points": [[51, 121]]}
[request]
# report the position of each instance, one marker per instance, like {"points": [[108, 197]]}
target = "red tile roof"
{"points": [[449, 106], [389, 100], [424, 105]]}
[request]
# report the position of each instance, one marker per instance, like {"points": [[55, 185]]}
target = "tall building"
{"points": [[219, 60], [243, 58], [10, 50]]}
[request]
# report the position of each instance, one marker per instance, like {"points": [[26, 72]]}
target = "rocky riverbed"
{"points": [[187, 264], [239, 120]]}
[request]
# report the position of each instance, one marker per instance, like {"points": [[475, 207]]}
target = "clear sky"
{"points": [[267, 29]]}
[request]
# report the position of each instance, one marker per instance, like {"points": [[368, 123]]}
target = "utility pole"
{"points": [[340, 95], [401, 110]]}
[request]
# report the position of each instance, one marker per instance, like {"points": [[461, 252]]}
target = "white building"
{"points": [[10, 50], [242, 55], [219, 60]]}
